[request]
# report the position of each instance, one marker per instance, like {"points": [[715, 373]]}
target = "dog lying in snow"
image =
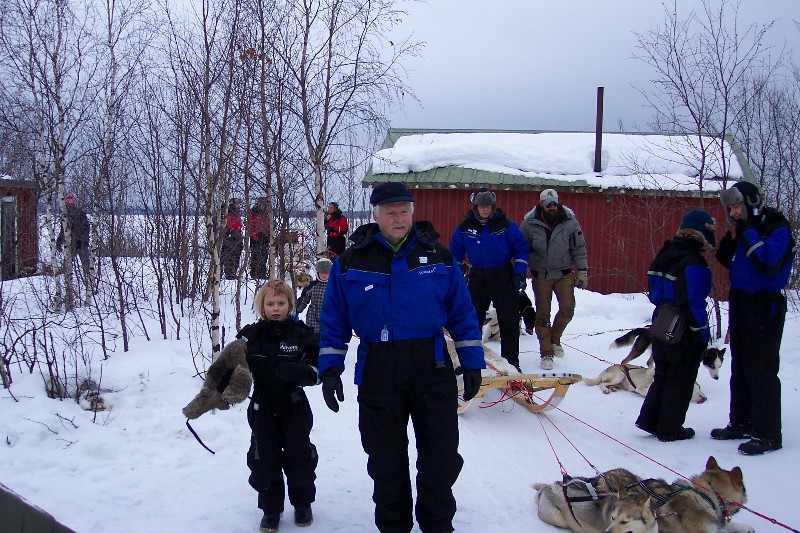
{"points": [[640, 340], [491, 328], [619, 501], [633, 378]]}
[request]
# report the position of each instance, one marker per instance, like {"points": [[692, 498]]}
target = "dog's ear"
{"points": [[722, 352], [711, 464], [737, 477]]}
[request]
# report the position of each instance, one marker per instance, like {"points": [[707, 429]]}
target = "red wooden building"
{"points": [[19, 237], [624, 225]]}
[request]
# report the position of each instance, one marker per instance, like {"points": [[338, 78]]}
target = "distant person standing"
{"points": [[679, 275], [314, 293], [498, 255], [556, 244], [759, 258], [259, 239], [78, 224], [233, 241], [336, 230]]}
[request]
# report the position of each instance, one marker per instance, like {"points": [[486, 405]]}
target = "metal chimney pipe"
{"points": [[598, 135]]}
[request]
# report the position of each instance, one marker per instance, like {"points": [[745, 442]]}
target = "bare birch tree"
{"points": [[700, 63], [345, 72]]}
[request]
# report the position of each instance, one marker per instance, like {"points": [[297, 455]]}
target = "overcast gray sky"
{"points": [[536, 64]]}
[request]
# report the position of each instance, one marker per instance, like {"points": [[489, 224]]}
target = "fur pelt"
{"points": [[227, 382]]}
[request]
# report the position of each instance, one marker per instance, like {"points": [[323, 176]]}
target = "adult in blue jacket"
{"points": [[397, 288], [760, 259], [679, 275], [498, 258]]}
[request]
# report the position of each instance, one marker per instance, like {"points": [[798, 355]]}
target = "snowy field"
{"points": [[137, 468]]}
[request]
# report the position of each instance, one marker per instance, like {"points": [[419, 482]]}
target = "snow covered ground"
{"points": [[137, 468]]}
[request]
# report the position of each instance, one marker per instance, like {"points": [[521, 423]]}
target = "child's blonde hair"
{"points": [[277, 286]]}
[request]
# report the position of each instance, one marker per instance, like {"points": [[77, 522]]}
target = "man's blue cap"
{"points": [[390, 192]]}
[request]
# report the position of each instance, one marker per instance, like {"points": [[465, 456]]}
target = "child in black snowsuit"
{"points": [[282, 355]]}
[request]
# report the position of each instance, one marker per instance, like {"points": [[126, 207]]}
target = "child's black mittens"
{"points": [[298, 374], [227, 382]]}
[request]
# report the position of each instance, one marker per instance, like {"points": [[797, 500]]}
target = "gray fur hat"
{"points": [[483, 197], [323, 266], [227, 382], [746, 193]]}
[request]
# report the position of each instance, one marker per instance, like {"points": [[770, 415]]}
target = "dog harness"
{"points": [[664, 498], [593, 496]]}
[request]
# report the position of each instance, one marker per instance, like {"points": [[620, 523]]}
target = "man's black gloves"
{"points": [[298, 374], [726, 250], [472, 383], [741, 227], [332, 384], [518, 283]]}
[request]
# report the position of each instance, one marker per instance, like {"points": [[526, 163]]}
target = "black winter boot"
{"points": [[731, 432], [270, 523], [303, 516], [759, 446], [682, 434]]}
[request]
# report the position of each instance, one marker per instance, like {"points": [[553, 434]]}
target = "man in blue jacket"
{"points": [[498, 257], [760, 259], [397, 288]]}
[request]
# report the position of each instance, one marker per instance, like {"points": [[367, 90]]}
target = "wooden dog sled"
{"points": [[522, 388]]}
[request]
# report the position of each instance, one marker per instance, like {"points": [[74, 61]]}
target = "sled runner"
{"points": [[522, 388]]}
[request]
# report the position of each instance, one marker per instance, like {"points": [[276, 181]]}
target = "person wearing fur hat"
{"points": [[498, 258], [679, 276], [759, 255], [314, 293], [556, 244], [282, 356], [397, 287]]}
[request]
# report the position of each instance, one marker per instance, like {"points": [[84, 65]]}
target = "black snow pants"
{"points": [[664, 408], [492, 285], [280, 443], [402, 380], [756, 325]]}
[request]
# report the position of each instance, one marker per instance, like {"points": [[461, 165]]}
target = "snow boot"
{"points": [[682, 434], [303, 516], [731, 432], [759, 446], [547, 362], [270, 523], [558, 351]]}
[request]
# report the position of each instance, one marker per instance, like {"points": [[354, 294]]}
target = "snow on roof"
{"points": [[641, 161]]}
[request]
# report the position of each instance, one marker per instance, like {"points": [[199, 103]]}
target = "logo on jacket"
{"points": [[286, 348]]}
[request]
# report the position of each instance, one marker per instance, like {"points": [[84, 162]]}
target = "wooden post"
{"points": [[598, 142]]}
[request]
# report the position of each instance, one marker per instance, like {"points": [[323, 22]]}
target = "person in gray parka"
{"points": [[556, 245]]}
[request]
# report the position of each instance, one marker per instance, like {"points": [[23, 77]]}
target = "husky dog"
{"points": [[633, 514], [640, 339], [491, 328], [703, 504], [635, 379], [596, 505]]}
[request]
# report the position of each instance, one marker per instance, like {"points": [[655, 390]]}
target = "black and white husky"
{"points": [[491, 328], [640, 340]]}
